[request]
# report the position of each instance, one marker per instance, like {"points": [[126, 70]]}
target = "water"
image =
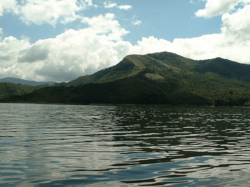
{"points": [[63, 145]]}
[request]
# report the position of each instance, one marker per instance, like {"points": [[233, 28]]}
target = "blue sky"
{"points": [[168, 19], [60, 40]]}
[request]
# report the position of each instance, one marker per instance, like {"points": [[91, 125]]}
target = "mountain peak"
{"points": [[159, 64]]}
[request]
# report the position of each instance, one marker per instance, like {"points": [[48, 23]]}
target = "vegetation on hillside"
{"points": [[176, 89], [225, 68], [159, 78], [11, 89]]}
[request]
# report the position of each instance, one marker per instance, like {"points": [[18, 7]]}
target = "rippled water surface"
{"points": [[58, 145]]}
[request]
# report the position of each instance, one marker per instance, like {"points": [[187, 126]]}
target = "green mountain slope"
{"points": [[134, 64], [181, 89], [118, 71], [10, 89], [136, 90], [159, 78], [158, 65], [225, 68]]}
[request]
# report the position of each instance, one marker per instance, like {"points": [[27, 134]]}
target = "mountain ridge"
{"points": [[163, 63], [157, 78]]}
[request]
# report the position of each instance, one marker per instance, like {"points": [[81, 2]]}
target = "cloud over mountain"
{"points": [[69, 55]]}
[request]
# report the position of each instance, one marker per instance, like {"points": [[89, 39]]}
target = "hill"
{"points": [[159, 78], [163, 63], [132, 65], [10, 89], [24, 82]]}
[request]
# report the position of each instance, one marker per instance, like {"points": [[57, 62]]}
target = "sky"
{"points": [[60, 40]]}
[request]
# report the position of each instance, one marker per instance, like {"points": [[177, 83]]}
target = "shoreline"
{"points": [[131, 105]]}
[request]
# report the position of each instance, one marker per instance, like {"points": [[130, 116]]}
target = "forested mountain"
{"points": [[24, 82], [132, 65], [161, 64], [159, 78]]}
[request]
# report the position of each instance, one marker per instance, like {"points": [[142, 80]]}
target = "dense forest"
{"points": [[159, 78]]}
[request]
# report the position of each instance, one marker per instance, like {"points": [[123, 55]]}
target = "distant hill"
{"points": [[10, 89], [12, 86], [24, 82], [158, 78]]}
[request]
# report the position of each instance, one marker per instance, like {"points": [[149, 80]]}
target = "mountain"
{"points": [[132, 65], [158, 78], [24, 82], [160, 64]]}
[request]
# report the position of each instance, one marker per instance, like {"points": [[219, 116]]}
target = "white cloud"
{"points": [[41, 11], [9, 51], [69, 55], [232, 43], [237, 25], [106, 24], [218, 7], [109, 5], [8, 6], [45, 11], [79, 52], [135, 21], [113, 5], [204, 47], [125, 7], [151, 45]]}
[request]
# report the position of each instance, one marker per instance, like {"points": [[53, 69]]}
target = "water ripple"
{"points": [[47, 145]]}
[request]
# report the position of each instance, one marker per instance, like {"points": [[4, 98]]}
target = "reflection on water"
{"points": [[48, 145]]}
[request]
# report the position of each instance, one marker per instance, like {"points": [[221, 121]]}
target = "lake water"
{"points": [[67, 145]]}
